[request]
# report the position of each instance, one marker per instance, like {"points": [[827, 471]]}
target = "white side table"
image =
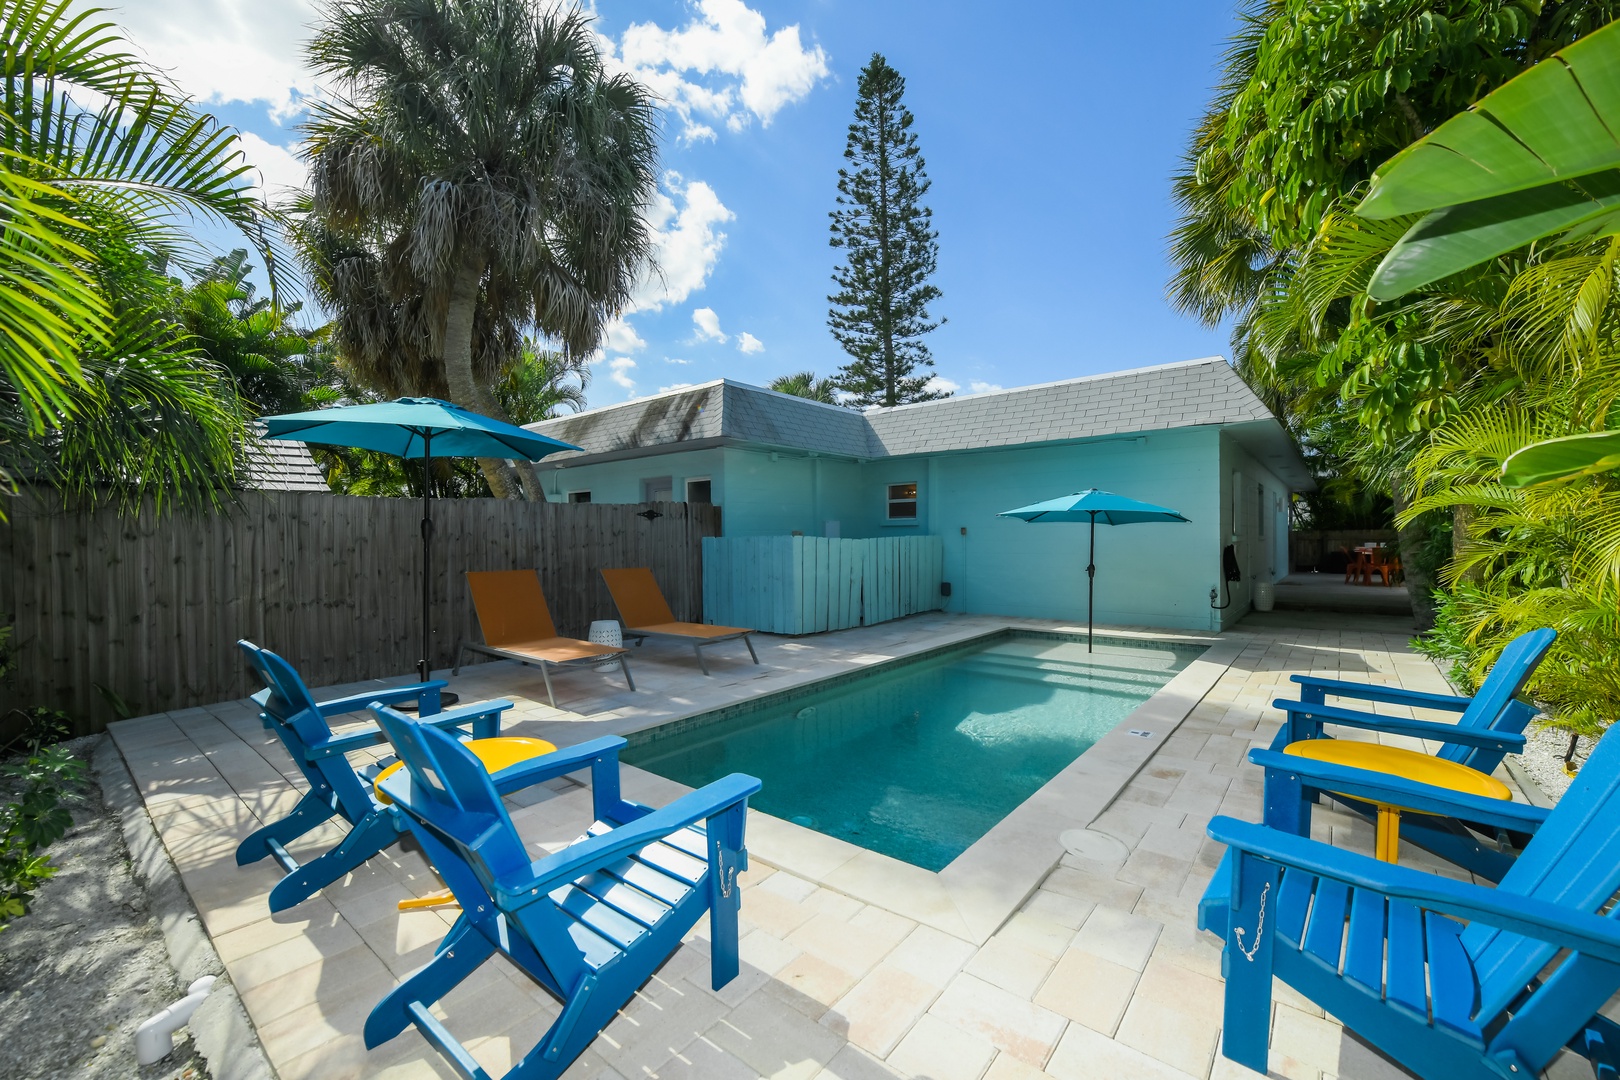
{"points": [[606, 632]]}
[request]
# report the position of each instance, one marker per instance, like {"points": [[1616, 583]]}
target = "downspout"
{"points": [[154, 1039]]}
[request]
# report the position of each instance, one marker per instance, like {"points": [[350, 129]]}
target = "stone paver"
{"points": [[1101, 974]]}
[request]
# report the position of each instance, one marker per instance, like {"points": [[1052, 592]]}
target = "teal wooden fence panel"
{"points": [[810, 584]]}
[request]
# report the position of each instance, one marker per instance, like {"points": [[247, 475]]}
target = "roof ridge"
{"points": [[671, 392]]}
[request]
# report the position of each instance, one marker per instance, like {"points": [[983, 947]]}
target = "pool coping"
{"points": [[984, 886]]}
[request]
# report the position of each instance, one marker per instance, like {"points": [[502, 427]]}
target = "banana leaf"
{"points": [[1563, 459], [1537, 157]]}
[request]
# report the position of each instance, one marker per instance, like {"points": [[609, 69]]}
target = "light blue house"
{"points": [[1191, 436]]}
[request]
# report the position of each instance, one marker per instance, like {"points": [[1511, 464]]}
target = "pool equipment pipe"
{"points": [[154, 1039]]}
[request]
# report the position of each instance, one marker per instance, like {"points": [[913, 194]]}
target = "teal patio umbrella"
{"points": [[414, 428], [1093, 504]]}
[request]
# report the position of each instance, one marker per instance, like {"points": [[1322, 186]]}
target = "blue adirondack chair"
{"points": [[1491, 725], [1451, 979], [336, 787], [591, 923]]}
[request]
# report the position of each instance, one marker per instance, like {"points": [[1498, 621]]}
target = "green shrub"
{"points": [[32, 822]]}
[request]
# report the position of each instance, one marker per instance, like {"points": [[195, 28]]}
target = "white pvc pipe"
{"points": [[154, 1039]]}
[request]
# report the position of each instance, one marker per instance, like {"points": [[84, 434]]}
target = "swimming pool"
{"points": [[918, 758]]}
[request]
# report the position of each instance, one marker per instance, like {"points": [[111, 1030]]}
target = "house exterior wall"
{"points": [[1150, 574], [1254, 518], [1153, 574]]}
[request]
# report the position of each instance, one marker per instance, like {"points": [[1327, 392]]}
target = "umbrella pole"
{"points": [[1091, 578], [423, 667]]}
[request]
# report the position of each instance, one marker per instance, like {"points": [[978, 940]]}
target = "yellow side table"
{"points": [[495, 754], [1408, 765]]}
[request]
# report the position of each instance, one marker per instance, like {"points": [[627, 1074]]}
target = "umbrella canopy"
{"points": [[415, 428], [1104, 506], [1093, 505]]}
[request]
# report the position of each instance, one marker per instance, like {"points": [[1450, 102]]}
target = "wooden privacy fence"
{"points": [[151, 607], [807, 584]]}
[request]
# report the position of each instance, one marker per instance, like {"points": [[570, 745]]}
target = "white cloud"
{"points": [[708, 325], [278, 169], [688, 240], [228, 50], [674, 386], [978, 386], [939, 384], [748, 343], [621, 337], [723, 66], [675, 360], [620, 368]]}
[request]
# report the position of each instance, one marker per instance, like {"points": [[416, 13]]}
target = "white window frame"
{"points": [[889, 501], [582, 491], [690, 480]]}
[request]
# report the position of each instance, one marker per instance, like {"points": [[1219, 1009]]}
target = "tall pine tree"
{"points": [[880, 311]]}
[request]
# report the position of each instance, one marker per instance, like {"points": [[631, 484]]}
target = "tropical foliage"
{"points": [[879, 314], [102, 162], [1426, 394], [805, 384], [476, 173]]}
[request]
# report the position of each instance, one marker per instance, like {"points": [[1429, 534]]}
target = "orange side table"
{"points": [[1408, 765]]}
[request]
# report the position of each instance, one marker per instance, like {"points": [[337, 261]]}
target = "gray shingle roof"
{"points": [[1146, 399], [723, 412], [277, 465]]}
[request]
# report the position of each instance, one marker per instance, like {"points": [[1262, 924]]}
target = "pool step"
{"points": [[1098, 679]]}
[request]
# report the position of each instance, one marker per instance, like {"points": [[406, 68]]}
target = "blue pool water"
{"points": [[918, 760]]}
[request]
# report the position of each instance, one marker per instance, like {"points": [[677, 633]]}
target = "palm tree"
{"points": [[476, 173], [101, 162], [805, 384], [542, 383], [250, 336]]}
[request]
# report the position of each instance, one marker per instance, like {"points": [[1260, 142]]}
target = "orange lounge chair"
{"points": [[646, 614], [517, 625]]}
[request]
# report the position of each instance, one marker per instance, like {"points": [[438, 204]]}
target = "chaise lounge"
{"points": [[646, 614], [517, 625]]}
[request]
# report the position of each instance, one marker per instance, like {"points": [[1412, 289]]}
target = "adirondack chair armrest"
{"points": [[1389, 695], [371, 734], [1396, 791], [598, 851], [390, 696], [1485, 738], [1555, 924]]}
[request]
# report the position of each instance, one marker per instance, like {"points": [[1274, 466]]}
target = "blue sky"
{"points": [[1050, 131]]}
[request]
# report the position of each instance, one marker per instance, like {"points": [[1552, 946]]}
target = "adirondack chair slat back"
{"points": [[1513, 668], [452, 795], [637, 596], [511, 606], [300, 726], [1573, 860]]}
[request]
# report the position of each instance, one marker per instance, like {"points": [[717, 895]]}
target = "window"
{"points": [[579, 496], [658, 489], [699, 490], [902, 502]]}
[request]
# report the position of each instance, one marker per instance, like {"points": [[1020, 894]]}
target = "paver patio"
{"points": [[1100, 973]]}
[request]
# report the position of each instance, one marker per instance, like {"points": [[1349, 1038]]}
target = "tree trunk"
{"points": [[465, 388], [1418, 585]]}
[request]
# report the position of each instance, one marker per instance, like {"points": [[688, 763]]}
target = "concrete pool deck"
{"points": [[1076, 965]]}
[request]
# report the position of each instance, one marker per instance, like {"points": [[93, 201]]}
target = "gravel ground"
{"points": [[1543, 758], [87, 965]]}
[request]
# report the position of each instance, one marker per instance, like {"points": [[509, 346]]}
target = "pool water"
{"points": [[917, 760]]}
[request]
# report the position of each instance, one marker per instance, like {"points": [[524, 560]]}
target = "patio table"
{"points": [[1406, 764]]}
